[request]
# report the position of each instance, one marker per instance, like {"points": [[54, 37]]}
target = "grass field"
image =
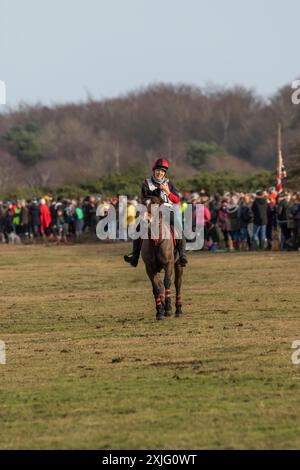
{"points": [[89, 367]]}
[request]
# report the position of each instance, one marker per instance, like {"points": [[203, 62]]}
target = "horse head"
{"points": [[162, 233]]}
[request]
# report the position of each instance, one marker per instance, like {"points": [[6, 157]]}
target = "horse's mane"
{"points": [[154, 200]]}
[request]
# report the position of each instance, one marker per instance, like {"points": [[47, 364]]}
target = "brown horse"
{"points": [[158, 254]]}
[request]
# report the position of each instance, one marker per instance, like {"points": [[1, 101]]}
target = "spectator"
{"points": [[260, 219], [79, 220], [271, 217], [233, 226], [17, 218], [60, 226], [246, 218], [7, 219], [283, 218], [34, 218], [45, 218], [295, 210], [223, 220], [24, 219]]}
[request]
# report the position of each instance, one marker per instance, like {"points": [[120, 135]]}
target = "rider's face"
{"points": [[159, 173]]}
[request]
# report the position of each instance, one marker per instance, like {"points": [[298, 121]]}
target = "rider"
{"points": [[158, 185]]}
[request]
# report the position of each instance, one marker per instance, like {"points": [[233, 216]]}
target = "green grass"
{"points": [[89, 367]]}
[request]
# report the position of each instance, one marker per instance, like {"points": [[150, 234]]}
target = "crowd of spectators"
{"points": [[264, 220], [59, 220]]}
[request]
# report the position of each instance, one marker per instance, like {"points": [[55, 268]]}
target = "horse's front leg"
{"points": [[157, 289], [178, 283], [167, 283]]}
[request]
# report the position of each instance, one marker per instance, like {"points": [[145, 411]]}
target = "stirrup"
{"points": [[128, 258]]}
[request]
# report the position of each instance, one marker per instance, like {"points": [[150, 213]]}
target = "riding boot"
{"points": [[133, 258], [181, 251]]}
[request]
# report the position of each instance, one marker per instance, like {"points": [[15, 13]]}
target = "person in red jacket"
{"points": [[158, 185], [45, 218]]}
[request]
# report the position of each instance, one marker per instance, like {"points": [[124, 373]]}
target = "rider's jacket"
{"points": [[151, 188]]}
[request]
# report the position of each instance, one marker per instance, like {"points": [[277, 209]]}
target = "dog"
{"points": [[13, 239]]}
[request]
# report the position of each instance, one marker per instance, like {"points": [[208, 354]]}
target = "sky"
{"points": [[57, 51]]}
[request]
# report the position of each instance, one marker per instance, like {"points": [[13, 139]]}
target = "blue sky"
{"points": [[56, 51]]}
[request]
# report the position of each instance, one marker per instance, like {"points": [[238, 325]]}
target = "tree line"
{"points": [[223, 130]]}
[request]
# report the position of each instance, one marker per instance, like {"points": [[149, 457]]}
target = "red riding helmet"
{"points": [[161, 163]]}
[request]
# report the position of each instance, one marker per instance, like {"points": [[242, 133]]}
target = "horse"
{"points": [[158, 254]]}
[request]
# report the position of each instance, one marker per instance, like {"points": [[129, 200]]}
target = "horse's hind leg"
{"points": [[178, 283], [167, 283]]}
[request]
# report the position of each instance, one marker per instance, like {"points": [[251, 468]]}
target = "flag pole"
{"points": [[279, 159]]}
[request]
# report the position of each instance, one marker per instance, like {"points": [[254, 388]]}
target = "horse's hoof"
{"points": [[160, 316], [168, 313], [178, 313]]}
